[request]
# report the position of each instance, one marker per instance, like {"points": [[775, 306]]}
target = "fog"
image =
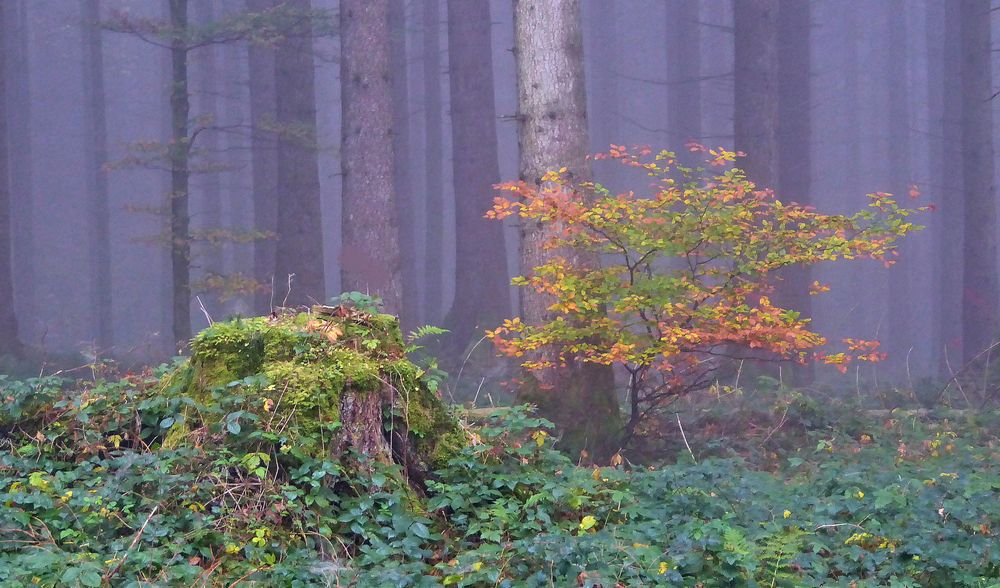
{"points": [[89, 109]]}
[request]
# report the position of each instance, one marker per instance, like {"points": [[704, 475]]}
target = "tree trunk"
{"points": [[410, 312], [552, 132], [979, 277], [19, 131], [902, 335], [482, 301], [793, 136], [210, 259], [97, 139], [370, 251], [300, 232], [9, 342], [264, 161], [683, 44], [755, 119], [180, 145], [433, 163]]}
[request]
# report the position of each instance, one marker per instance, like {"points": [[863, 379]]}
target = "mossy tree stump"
{"points": [[330, 382]]}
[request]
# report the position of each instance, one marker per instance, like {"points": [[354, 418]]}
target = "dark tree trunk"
{"points": [[979, 276], [793, 135], [683, 43], [433, 163], [9, 342], [100, 209], [552, 132], [411, 311], [755, 119], [264, 161], [370, 251], [19, 124], [180, 145], [300, 232], [482, 301]]}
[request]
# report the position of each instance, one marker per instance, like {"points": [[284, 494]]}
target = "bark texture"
{"points": [[979, 276], [552, 132], [299, 251], [370, 253], [9, 342], [481, 278], [97, 185], [755, 119]]}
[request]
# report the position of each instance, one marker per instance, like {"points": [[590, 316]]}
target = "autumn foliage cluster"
{"points": [[689, 270]]}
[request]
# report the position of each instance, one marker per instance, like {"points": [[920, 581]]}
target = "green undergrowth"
{"points": [[91, 494]]}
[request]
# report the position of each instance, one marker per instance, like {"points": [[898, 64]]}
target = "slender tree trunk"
{"points": [[19, 131], [264, 161], [979, 277], [552, 132], [952, 195], [902, 335], [411, 311], [683, 71], [482, 301], [97, 139], [793, 135], [756, 111], [9, 342], [300, 232], [180, 145], [433, 162], [370, 252], [210, 259]]}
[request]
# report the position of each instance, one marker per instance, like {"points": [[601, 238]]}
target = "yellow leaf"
{"points": [[587, 523]]}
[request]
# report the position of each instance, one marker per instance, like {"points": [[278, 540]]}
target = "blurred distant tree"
{"points": [[481, 283], [97, 177], [683, 46], [285, 21], [980, 315], [552, 133], [9, 342], [300, 232], [433, 163], [370, 251], [793, 137], [755, 119]]}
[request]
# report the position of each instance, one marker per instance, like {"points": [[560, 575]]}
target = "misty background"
{"points": [[869, 99]]}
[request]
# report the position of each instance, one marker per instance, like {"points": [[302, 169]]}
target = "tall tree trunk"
{"points": [[683, 72], [300, 231], [433, 162], [481, 301], [180, 145], [22, 208], [411, 311], [552, 132], [902, 335], [370, 251], [9, 342], [97, 139], [979, 278], [264, 161], [210, 259], [756, 110], [793, 136]]}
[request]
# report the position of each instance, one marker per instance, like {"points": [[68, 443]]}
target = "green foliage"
{"points": [[358, 300], [90, 495]]}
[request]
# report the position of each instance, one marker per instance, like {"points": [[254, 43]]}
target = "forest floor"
{"points": [[772, 487]]}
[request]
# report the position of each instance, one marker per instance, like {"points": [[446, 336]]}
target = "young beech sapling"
{"points": [[687, 275]]}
